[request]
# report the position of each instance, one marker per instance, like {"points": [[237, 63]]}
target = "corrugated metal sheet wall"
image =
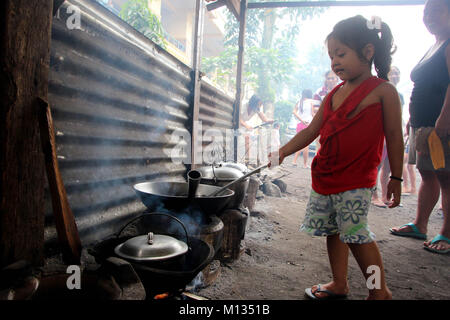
{"points": [[116, 99], [216, 117]]}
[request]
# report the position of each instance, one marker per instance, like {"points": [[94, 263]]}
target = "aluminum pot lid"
{"points": [[151, 247], [236, 165], [220, 173]]}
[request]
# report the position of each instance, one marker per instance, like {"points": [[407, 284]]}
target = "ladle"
{"points": [[215, 193]]}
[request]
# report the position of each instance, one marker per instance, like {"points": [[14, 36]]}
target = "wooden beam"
{"points": [[197, 54], [297, 4], [235, 7], [232, 5], [215, 5], [239, 71], [25, 36]]}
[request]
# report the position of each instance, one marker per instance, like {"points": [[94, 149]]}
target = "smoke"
{"points": [[196, 284]]}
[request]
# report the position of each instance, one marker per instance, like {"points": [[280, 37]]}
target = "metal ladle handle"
{"points": [[215, 193]]}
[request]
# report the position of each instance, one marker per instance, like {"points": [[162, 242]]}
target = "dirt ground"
{"points": [[280, 262]]}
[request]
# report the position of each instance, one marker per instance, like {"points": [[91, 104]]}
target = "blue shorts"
{"points": [[343, 213]]}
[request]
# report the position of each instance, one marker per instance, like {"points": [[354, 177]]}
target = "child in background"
{"points": [[275, 137], [352, 121], [303, 114]]}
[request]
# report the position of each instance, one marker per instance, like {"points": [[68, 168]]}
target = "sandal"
{"points": [[330, 295], [414, 234], [438, 238]]}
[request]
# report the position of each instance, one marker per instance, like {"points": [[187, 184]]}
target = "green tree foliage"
{"points": [[271, 64], [310, 74], [139, 16]]}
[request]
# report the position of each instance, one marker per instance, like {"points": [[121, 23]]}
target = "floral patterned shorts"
{"points": [[343, 213]]}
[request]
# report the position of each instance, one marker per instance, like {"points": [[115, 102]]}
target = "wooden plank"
{"points": [[297, 4], [25, 37], [64, 219]]}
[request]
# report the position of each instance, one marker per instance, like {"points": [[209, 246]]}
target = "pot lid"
{"points": [[151, 247], [220, 173], [236, 165]]}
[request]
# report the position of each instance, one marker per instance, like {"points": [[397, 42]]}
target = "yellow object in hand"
{"points": [[436, 150]]}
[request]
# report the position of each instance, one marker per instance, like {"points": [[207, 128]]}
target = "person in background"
{"points": [[303, 114], [384, 169], [331, 80], [254, 107], [353, 121], [275, 137], [409, 170], [430, 108]]}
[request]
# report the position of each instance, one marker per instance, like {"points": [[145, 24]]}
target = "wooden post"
{"points": [[25, 37], [240, 64], [197, 54]]}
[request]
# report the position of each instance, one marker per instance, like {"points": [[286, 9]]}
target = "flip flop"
{"points": [[438, 238], [330, 295], [414, 234], [379, 204]]}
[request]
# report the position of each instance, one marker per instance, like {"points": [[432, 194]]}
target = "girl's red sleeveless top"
{"points": [[351, 149]]}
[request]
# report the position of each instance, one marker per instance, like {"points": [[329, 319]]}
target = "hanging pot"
{"points": [[153, 248], [222, 175]]}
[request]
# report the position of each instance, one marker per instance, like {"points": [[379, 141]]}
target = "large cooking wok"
{"points": [[158, 196]]}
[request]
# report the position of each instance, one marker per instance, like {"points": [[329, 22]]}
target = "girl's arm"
{"points": [[392, 121], [442, 125]]}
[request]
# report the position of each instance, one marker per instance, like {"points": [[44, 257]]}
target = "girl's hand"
{"points": [[394, 191]]}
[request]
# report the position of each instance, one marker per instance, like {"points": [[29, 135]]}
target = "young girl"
{"points": [[352, 121], [303, 114]]}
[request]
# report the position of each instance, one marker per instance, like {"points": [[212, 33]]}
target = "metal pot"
{"points": [[152, 247], [222, 175], [174, 196]]}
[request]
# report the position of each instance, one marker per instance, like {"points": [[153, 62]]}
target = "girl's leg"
{"points": [[368, 255], [444, 180], [406, 179], [338, 257], [295, 157], [412, 178], [384, 178], [375, 198], [305, 157], [427, 199]]}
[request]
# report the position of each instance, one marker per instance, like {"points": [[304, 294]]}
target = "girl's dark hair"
{"points": [[306, 94], [356, 33], [254, 102]]}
